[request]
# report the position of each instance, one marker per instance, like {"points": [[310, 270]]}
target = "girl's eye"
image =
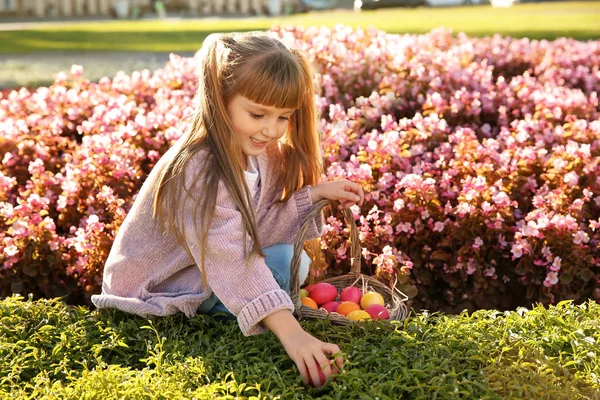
{"points": [[256, 116], [284, 118]]}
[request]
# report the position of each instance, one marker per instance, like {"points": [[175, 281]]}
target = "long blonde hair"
{"points": [[265, 71]]}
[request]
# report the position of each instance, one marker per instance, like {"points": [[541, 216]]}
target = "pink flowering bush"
{"points": [[480, 158]]}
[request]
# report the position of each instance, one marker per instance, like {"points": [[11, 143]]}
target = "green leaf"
{"points": [[440, 255], [566, 278], [520, 269], [29, 270], [46, 328], [16, 286], [586, 274]]}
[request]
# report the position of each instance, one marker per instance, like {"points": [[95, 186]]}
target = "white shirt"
{"points": [[252, 175]]}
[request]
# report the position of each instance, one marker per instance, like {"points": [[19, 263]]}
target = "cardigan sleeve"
{"points": [[281, 221], [293, 211], [246, 287]]}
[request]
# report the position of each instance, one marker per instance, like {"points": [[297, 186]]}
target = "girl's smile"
{"points": [[259, 143]]}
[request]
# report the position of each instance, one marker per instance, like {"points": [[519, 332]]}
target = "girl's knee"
{"points": [[279, 252]]}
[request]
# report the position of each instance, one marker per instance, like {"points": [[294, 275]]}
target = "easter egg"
{"points": [[377, 311], [321, 378], [358, 315], [303, 293], [371, 298], [307, 301], [331, 306], [351, 293], [334, 372], [323, 292], [346, 307]]}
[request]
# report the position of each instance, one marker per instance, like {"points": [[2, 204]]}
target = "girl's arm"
{"points": [[294, 210], [281, 221], [308, 352], [246, 287], [251, 293]]}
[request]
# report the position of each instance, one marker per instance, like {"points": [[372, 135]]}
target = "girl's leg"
{"points": [[279, 259], [214, 307]]}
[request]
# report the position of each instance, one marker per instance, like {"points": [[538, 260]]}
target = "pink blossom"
{"points": [[551, 279], [341, 252], [11, 250], [387, 251], [556, 264], [580, 237], [36, 167], [76, 70], [6, 210], [53, 244], [20, 228], [486, 207], [571, 178], [463, 209], [404, 227], [501, 199], [471, 268], [438, 226], [517, 250], [154, 155]]}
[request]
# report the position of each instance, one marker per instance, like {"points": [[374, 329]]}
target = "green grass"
{"points": [[579, 20], [52, 351]]}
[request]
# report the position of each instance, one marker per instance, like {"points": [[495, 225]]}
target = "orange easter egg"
{"points": [[346, 307], [307, 301]]}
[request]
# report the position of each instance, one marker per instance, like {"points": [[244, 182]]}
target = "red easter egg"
{"points": [[331, 306], [309, 287], [322, 293], [334, 370], [351, 293], [321, 378], [377, 311]]}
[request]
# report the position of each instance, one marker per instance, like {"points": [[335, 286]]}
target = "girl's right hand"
{"points": [[347, 193], [310, 355]]}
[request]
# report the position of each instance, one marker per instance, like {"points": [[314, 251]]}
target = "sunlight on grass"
{"points": [[578, 20]]}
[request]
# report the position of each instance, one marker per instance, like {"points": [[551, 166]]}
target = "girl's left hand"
{"points": [[346, 192]]}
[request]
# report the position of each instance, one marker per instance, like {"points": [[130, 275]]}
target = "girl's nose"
{"points": [[270, 131]]}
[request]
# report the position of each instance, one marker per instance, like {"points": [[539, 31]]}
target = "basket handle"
{"points": [[355, 249]]}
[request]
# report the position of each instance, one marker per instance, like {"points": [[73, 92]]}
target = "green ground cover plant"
{"points": [[578, 20], [49, 350]]}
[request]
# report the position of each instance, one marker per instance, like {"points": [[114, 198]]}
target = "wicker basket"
{"points": [[395, 300]]}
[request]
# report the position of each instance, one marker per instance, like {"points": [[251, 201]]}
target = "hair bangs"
{"points": [[275, 81]]}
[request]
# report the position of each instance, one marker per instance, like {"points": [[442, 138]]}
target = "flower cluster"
{"points": [[480, 158], [74, 156]]}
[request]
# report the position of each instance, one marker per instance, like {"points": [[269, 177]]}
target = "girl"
{"points": [[211, 228]]}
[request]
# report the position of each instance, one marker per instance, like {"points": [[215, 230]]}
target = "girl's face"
{"points": [[256, 126]]}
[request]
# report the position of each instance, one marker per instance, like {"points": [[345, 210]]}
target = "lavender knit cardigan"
{"points": [[149, 274]]}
